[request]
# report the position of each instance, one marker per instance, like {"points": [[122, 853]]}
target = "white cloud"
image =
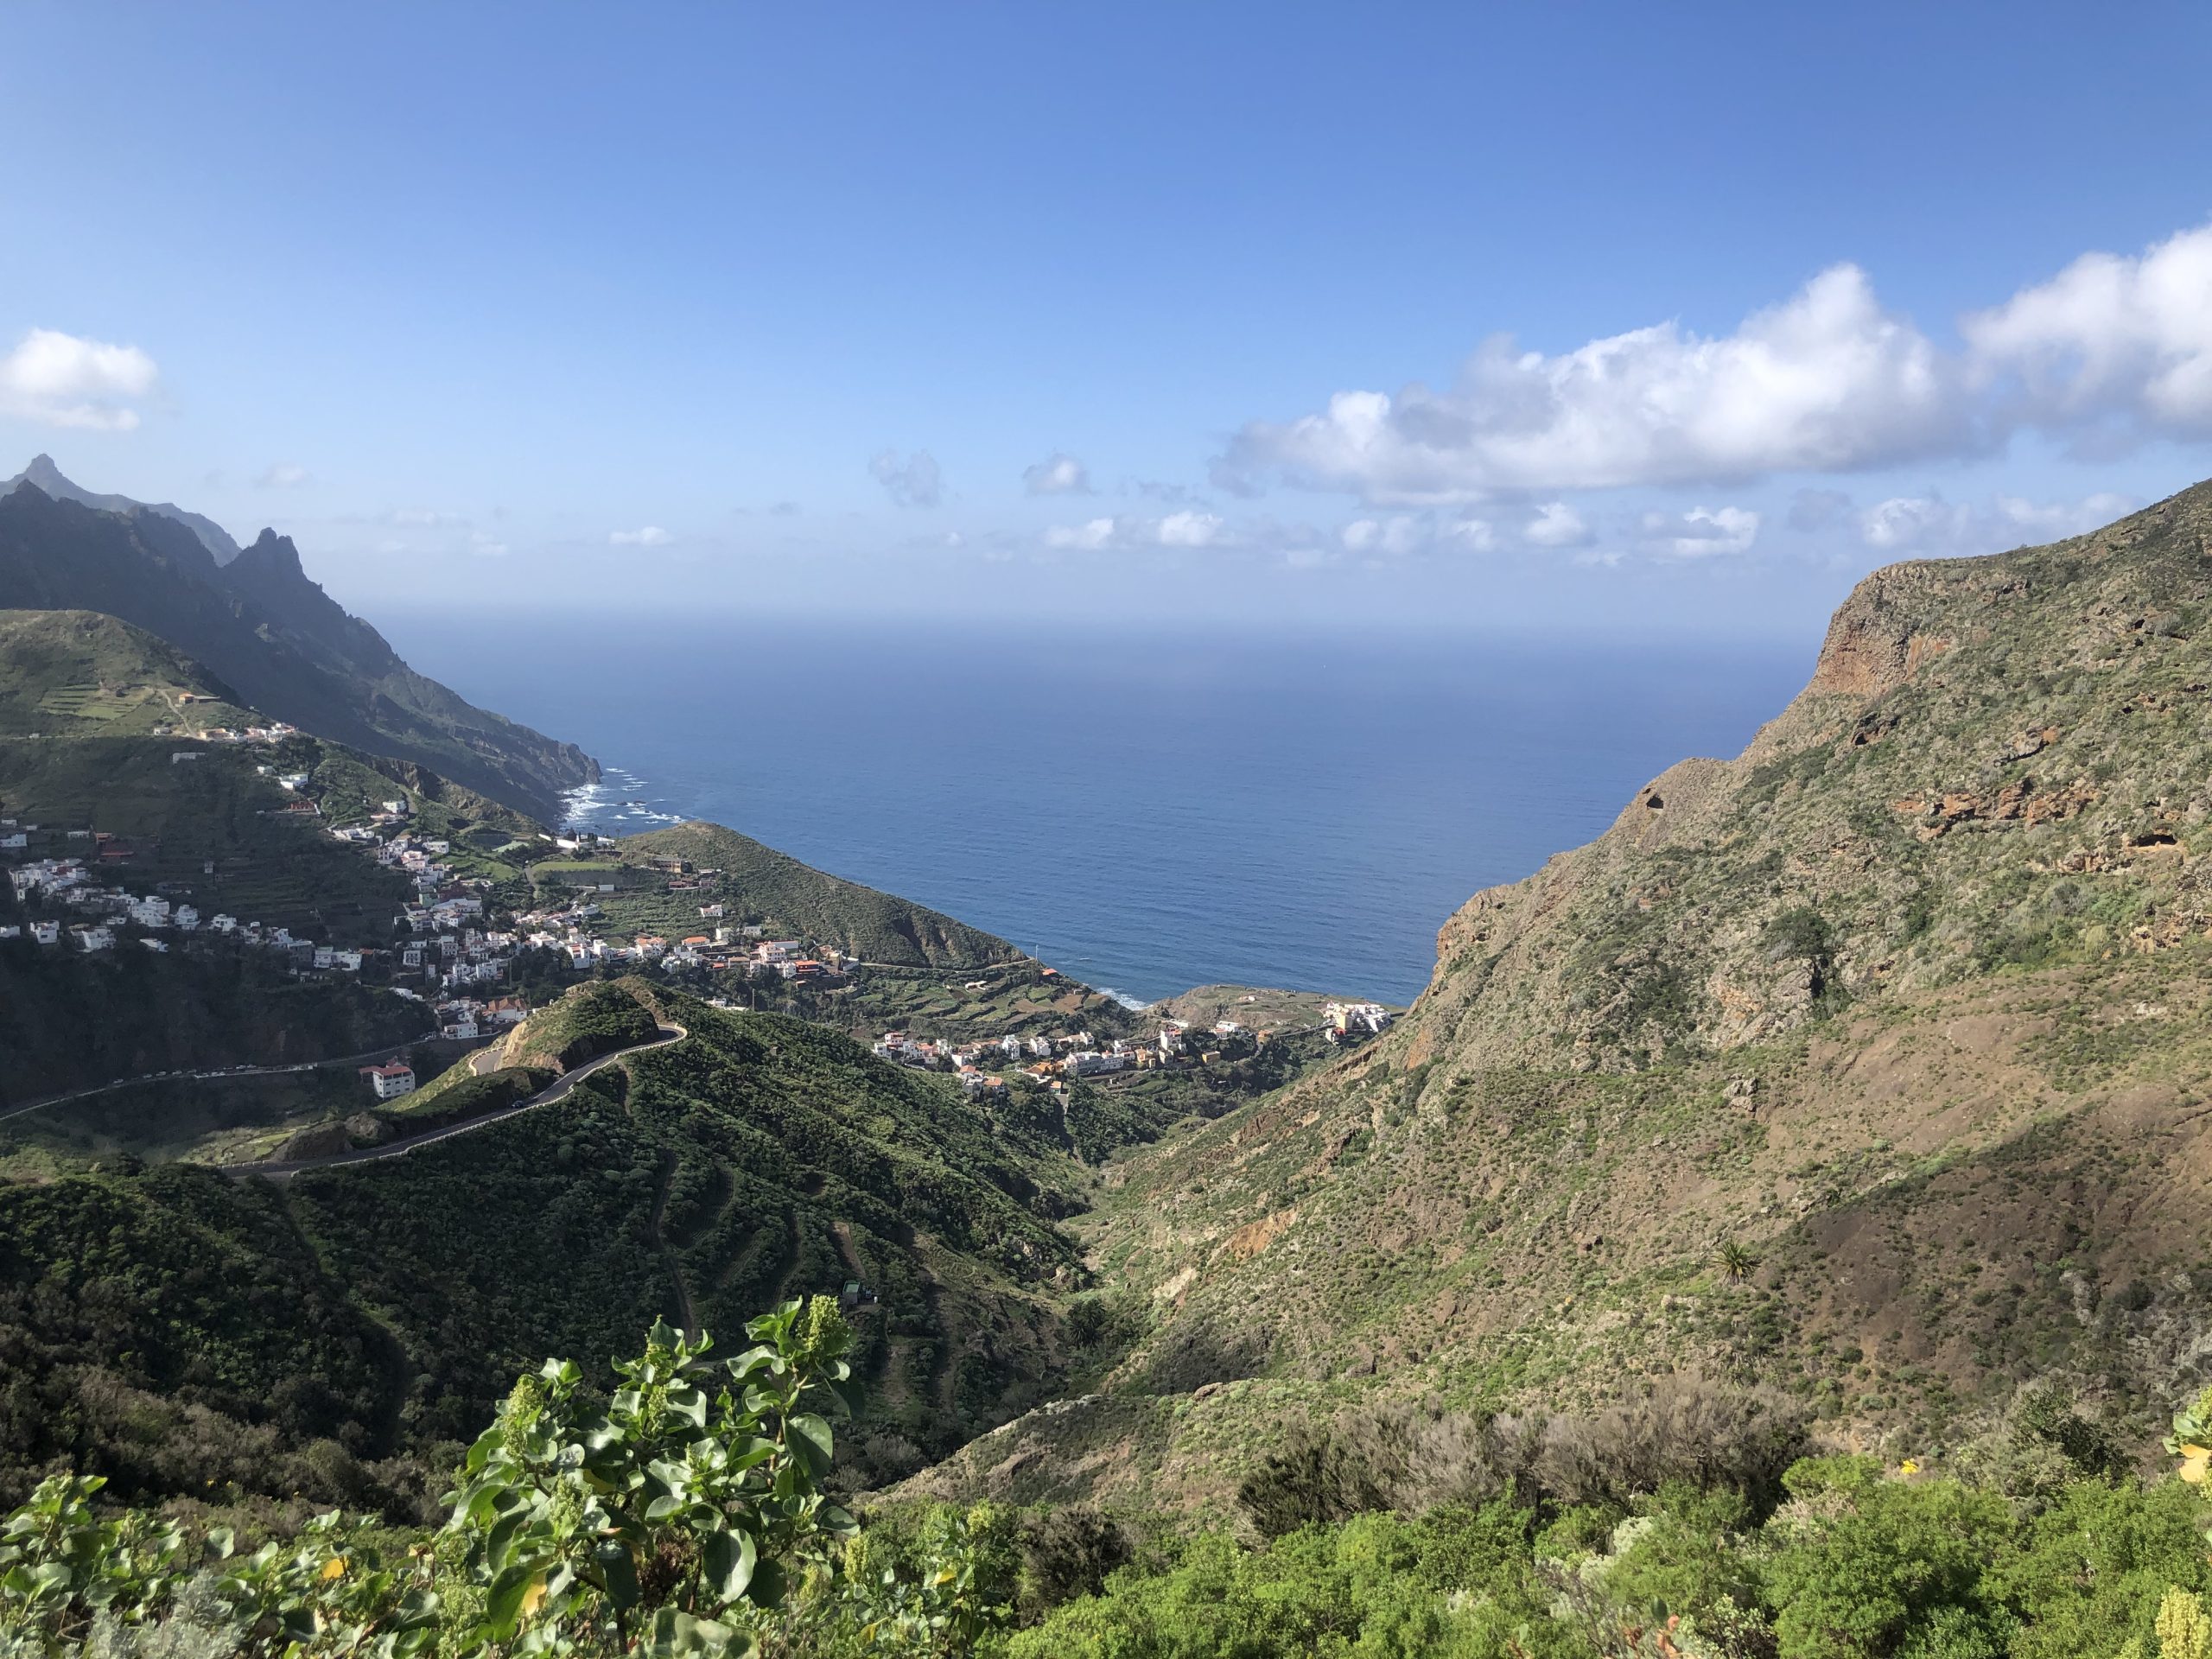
{"points": [[282, 475], [1188, 528], [2112, 349], [2056, 520], [1911, 521], [1556, 525], [487, 547], [1475, 535], [1091, 536], [62, 380], [2112, 352], [1929, 524], [913, 482], [1702, 532], [1825, 381], [1394, 536], [1057, 474], [426, 518], [1176, 530], [646, 536]]}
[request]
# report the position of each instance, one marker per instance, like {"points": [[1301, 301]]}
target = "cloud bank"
{"points": [[2111, 353]]}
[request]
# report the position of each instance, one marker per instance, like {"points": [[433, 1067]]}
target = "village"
{"points": [[455, 951], [1054, 1060]]}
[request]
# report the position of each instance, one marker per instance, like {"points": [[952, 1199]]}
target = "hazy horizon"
{"points": [[1516, 318]]}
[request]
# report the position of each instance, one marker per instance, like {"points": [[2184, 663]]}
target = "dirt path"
{"points": [[558, 1090]]}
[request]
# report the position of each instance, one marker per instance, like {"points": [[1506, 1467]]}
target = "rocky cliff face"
{"points": [[1974, 733], [1902, 1006]]}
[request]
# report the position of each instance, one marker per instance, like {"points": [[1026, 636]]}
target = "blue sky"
{"points": [[1022, 311]]}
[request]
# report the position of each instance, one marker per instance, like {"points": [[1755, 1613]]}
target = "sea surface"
{"points": [[1146, 813]]}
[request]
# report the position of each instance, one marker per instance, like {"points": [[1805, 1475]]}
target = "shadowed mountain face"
{"points": [[270, 633], [44, 476]]}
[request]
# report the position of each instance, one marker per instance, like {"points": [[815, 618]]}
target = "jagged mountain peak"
{"points": [[274, 553], [47, 478]]}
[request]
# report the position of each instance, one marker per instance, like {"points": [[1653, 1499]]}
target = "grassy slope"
{"points": [[79, 674], [762, 1158], [1938, 1081], [873, 925]]}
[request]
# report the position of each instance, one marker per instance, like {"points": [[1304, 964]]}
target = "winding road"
{"points": [[557, 1090], [390, 1051]]}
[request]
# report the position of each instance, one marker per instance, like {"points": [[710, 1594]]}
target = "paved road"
{"points": [[557, 1089], [390, 1051]]}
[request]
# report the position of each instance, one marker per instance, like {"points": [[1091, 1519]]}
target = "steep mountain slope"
{"points": [[1867, 1063], [275, 638], [875, 927]]}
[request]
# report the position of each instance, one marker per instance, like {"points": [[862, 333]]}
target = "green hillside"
{"points": [[70, 1020], [214, 830], [758, 1158], [760, 881], [274, 637], [79, 674]]}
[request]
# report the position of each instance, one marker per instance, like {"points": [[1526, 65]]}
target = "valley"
{"points": [[1857, 1076]]}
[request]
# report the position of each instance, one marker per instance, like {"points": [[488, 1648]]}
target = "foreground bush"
{"points": [[683, 1513], [665, 1517]]}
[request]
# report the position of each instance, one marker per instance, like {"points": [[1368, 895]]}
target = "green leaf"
{"points": [[504, 1603], [620, 1569], [677, 1635], [768, 1584], [728, 1559], [815, 1430]]}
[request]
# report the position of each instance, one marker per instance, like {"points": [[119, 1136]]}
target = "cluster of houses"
{"points": [[736, 946], [70, 884], [1070, 1054], [275, 731], [1349, 1022]]}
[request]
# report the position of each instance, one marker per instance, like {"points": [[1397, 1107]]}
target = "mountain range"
{"points": [[252, 618]]}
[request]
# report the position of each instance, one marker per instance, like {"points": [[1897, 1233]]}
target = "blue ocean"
{"points": [[1147, 813]]}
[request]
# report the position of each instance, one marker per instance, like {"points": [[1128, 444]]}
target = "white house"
{"points": [[47, 932], [391, 1081]]}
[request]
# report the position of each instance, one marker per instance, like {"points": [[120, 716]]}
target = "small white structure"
{"points": [[390, 1081]]}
